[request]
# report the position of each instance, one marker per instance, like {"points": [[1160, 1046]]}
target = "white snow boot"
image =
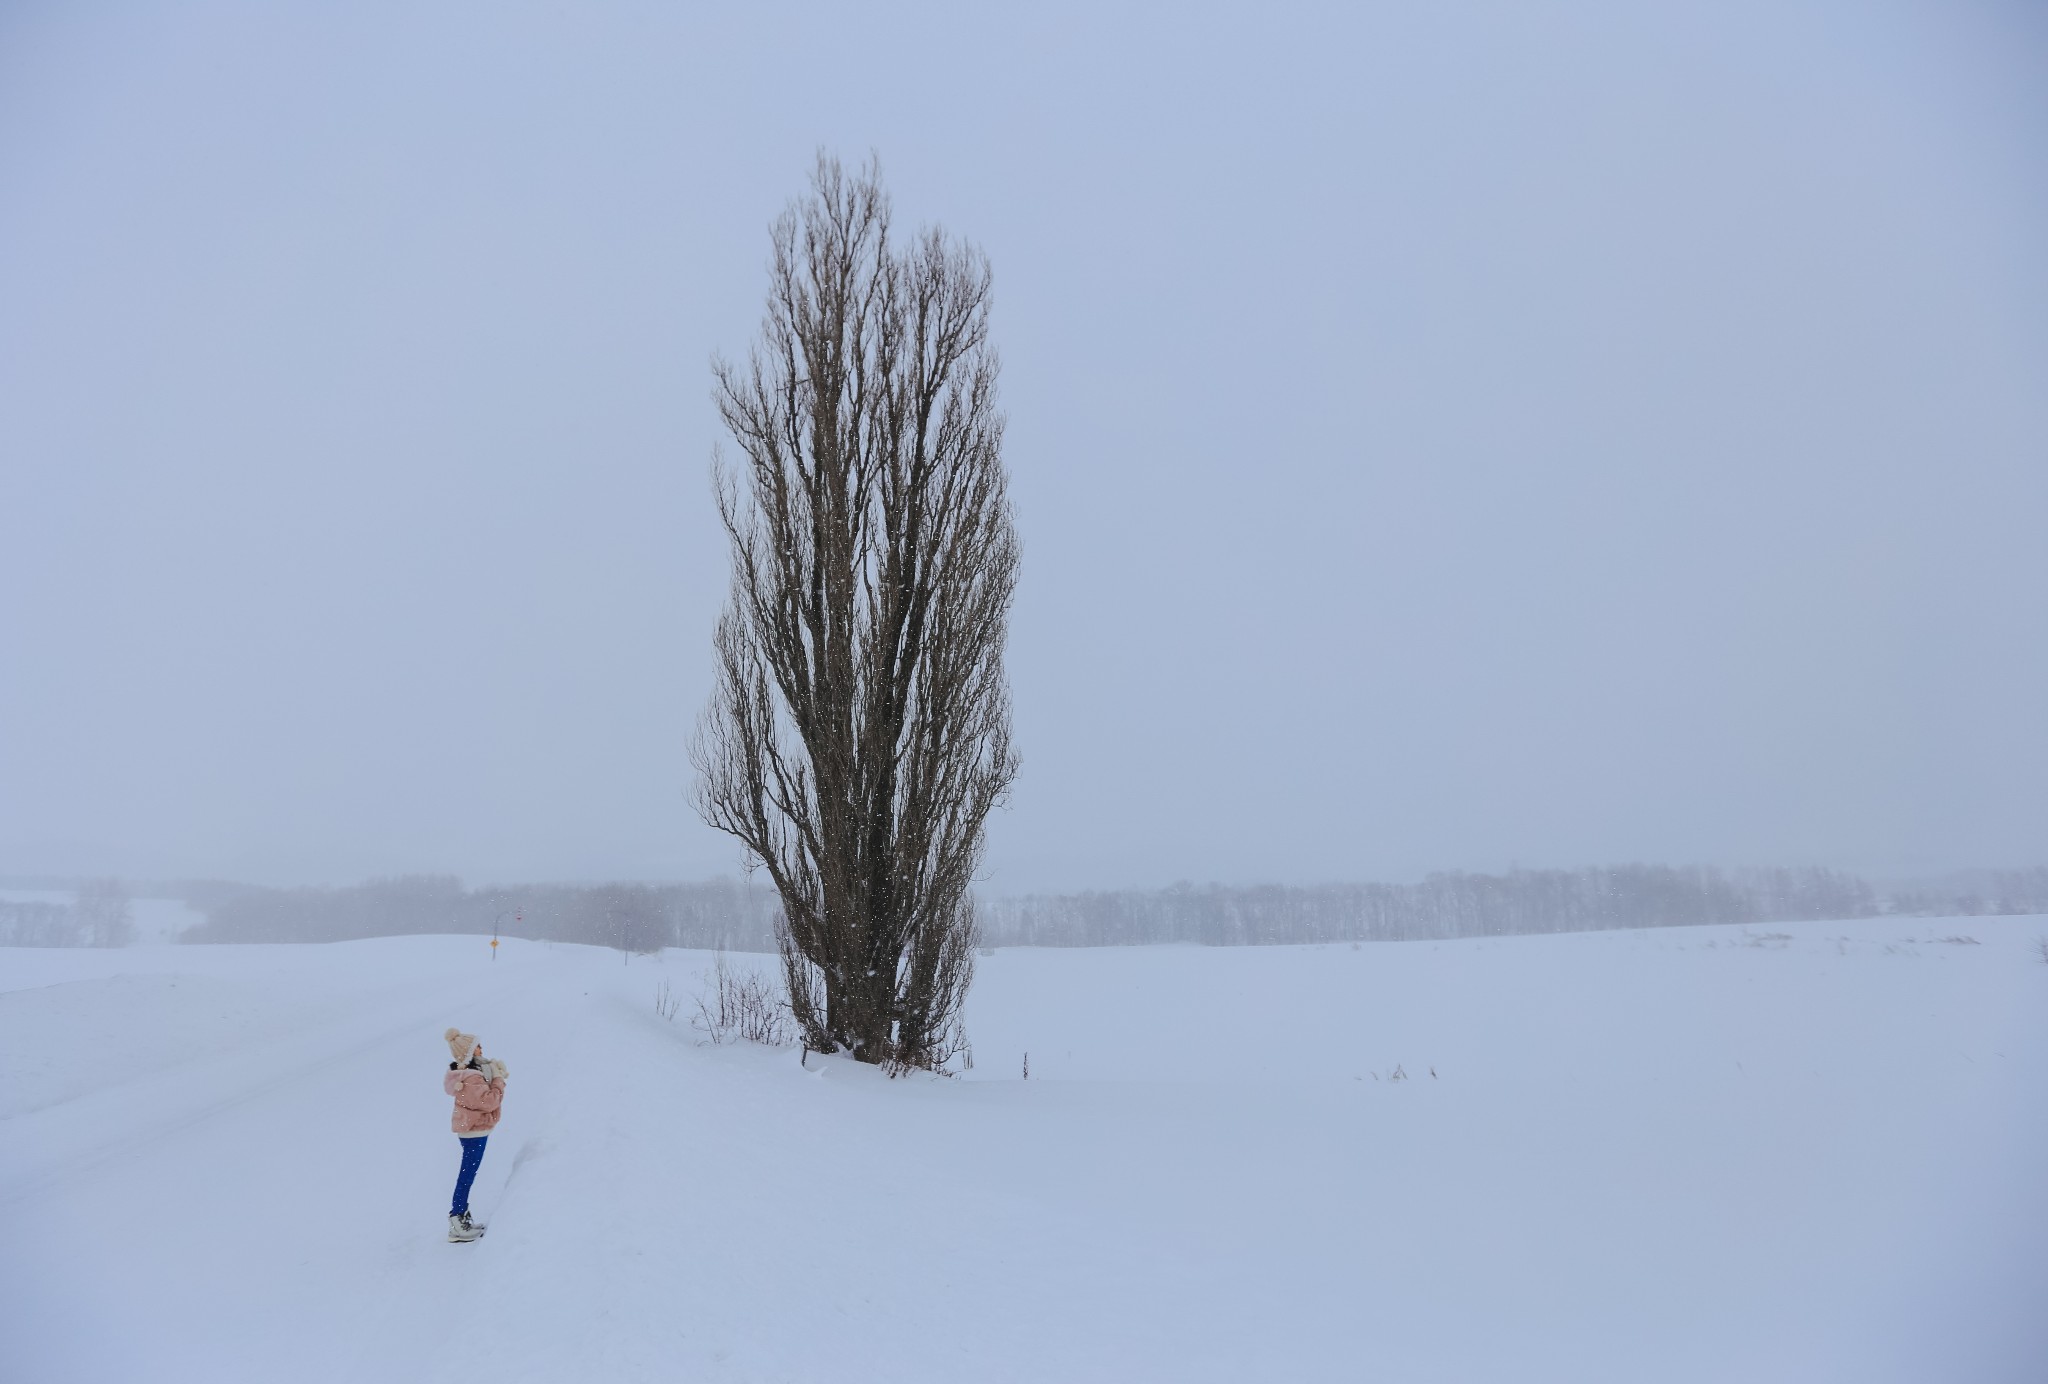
{"points": [[461, 1229]]}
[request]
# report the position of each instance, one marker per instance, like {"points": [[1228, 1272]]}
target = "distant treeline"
{"points": [[1971, 894], [741, 916], [99, 915], [1473, 905], [631, 917]]}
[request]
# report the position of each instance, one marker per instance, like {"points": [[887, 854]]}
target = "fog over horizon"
{"points": [[1440, 440]]}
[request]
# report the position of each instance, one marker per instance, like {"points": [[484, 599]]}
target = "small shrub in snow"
{"points": [[949, 1047], [741, 1007], [2043, 945], [665, 1001]]}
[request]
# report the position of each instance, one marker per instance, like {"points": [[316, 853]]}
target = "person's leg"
{"points": [[472, 1155]]}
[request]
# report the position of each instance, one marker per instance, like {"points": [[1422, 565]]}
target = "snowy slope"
{"points": [[1808, 1153]]}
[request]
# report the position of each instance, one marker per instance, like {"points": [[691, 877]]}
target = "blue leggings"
{"points": [[472, 1156]]}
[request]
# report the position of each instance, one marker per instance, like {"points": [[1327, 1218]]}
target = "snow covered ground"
{"points": [[1810, 1152]]}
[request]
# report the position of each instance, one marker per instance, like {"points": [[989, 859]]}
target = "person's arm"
{"points": [[478, 1094]]}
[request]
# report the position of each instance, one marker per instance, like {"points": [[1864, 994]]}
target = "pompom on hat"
{"points": [[462, 1045]]}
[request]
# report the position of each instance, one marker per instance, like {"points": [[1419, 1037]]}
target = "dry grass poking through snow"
{"points": [[736, 1005]]}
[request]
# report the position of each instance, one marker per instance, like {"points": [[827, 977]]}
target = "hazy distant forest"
{"points": [[741, 917]]}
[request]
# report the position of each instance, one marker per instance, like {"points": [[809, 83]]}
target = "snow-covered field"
{"points": [[1804, 1153]]}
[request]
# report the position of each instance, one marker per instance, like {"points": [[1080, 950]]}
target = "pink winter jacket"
{"points": [[477, 1099]]}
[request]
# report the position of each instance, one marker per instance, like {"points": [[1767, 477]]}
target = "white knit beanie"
{"points": [[461, 1045]]}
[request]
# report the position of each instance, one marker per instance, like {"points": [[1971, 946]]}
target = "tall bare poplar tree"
{"points": [[859, 734]]}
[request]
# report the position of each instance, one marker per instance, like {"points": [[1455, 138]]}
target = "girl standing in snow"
{"points": [[478, 1086]]}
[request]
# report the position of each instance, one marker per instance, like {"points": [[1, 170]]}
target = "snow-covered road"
{"points": [[1808, 1153]]}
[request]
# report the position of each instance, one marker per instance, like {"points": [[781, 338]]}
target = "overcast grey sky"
{"points": [[1442, 436]]}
